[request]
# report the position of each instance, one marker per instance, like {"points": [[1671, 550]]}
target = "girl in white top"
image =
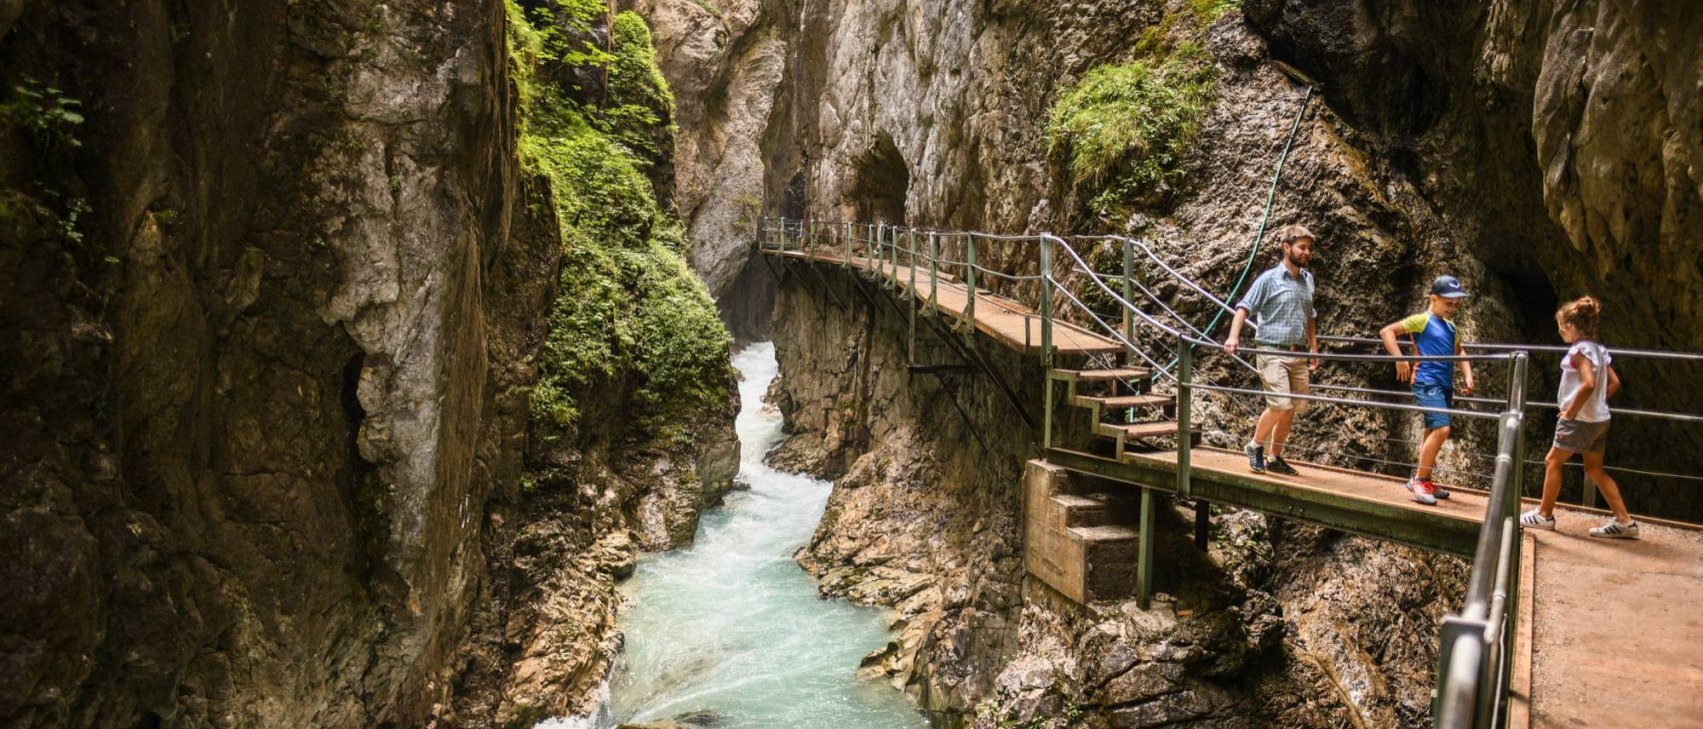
{"points": [[1587, 381]]}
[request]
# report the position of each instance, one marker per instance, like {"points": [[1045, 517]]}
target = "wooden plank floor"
{"points": [[1617, 627], [1466, 506], [1010, 322]]}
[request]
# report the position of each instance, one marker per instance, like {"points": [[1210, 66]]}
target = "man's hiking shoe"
{"points": [[1616, 530], [1256, 457], [1535, 519], [1423, 491], [1281, 467]]}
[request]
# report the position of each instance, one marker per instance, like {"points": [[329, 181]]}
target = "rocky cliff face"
{"points": [[246, 347], [726, 62], [274, 304]]}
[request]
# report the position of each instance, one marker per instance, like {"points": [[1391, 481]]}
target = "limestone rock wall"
{"points": [[726, 62], [245, 337], [271, 301]]}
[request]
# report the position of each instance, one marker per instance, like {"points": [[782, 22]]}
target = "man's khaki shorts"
{"points": [[1284, 375]]}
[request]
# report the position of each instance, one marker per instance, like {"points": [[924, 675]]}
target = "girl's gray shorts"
{"points": [[1581, 436]]}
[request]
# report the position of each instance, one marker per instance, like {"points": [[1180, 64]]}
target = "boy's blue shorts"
{"points": [[1434, 396]]}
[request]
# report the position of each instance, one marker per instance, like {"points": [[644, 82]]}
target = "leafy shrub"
{"points": [[601, 191], [44, 111], [640, 108], [1125, 128]]}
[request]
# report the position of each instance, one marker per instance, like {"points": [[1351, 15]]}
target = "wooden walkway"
{"points": [[1614, 628], [1007, 321], [1611, 632]]}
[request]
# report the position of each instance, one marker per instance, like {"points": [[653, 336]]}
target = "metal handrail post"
{"points": [[970, 281], [893, 252], [878, 252], [1185, 373], [1047, 336], [884, 234], [933, 272], [847, 246], [1129, 295], [911, 236], [871, 248]]}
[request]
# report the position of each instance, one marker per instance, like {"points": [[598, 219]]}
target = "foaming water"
{"points": [[733, 626]]}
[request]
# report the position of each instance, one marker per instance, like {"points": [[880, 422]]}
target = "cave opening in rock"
{"points": [[1535, 303], [882, 182]]}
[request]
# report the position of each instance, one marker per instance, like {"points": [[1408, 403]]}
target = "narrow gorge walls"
{"points": [[630, 400], [244, 337], [293, 437]]}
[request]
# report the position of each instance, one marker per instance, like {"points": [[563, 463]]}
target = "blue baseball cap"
{"points": [[1448, 287]]}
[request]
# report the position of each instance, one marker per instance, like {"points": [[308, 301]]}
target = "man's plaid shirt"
{"points": [[1281, 305]]}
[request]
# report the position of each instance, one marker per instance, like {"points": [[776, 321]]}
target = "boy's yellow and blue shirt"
{"points": [[1433, 336]]}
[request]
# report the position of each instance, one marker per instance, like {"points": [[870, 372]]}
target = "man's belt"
{"points": [[1284, 347]]}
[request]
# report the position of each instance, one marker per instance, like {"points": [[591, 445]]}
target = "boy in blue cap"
{"points": [[1433, 334]]}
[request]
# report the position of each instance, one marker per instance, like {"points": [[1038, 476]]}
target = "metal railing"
{"points": [[1476, 644]]}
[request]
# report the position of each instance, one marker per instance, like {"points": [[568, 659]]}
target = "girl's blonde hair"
{"points": [[1581, 314]]}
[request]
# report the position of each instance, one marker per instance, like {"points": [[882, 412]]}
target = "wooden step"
{"points": [[1125, 373], [1118, 402], [1136, 430]]}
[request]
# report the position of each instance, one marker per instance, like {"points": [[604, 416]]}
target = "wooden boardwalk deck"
{"points": [[1611, 632], [1010, 322], [1616, 627]]}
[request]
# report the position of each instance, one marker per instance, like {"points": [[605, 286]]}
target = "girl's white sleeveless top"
{"points": [[1596, 409]]}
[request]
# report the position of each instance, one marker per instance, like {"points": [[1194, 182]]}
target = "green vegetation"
{"points": [[1209, 10], [632, 325], [1125, 127], [640, 107], [45, 112]]}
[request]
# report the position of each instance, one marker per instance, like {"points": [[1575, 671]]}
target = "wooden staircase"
{"points": [[1111, 396]]}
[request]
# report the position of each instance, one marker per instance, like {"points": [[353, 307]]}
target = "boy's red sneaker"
{"points": [[1424, 492]]}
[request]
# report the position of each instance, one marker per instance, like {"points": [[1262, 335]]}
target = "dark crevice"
{"points": [[882, 182], [358, 475]]}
